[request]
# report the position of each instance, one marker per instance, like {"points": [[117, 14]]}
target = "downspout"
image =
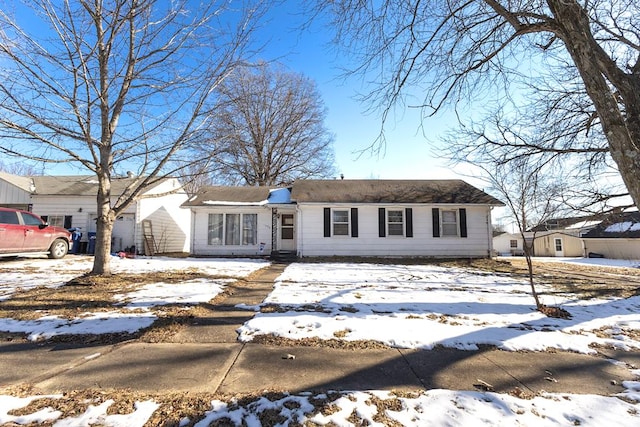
{"points": [[490, 232], [192, 244], [299, 239]]}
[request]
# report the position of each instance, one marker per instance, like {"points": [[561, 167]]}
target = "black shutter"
{"points": [[381, 222], [408, 212], [45, 218], [67, 221], [463, 222], [354, 222], [327, 222], [435, 219]]}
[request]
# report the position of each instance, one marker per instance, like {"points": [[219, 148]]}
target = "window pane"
{"points": [[287, 220], [55, 220], [340, 229], [558, 245], [449, 223], [249, 229], [395, 216], [340, 216], [448, 216], [215, 229], [395, 224], [340, 223], [232, 229], [514, 243], [449, 229], [395, 230]]}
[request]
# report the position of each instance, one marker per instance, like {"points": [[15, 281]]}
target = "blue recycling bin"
{"points": [[91, 247], [76, 235]]}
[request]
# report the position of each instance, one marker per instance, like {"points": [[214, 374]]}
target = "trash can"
{"points": [[91, 247], [76, 235]]}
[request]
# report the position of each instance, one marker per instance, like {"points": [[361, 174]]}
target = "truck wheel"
{"points": [[58, 249]]}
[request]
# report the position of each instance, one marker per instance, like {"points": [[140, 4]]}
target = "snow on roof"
{"points": [[583, 224], [227, 203], [623, 227]]}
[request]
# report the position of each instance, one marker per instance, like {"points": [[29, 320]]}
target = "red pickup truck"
{"points": [[23, 232]]}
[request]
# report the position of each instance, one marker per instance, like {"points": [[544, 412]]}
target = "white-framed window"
{"points": [[63, 221], [395, 222], [340, 219], [449, 220], [232, 229], [558, 244]]}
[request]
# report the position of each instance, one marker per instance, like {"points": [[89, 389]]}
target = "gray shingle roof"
{"points": [[219, 195], [619, 225], [390, 191], [77, 185]]}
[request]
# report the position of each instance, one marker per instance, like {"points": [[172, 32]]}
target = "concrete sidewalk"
{"points": [[207, 358]]}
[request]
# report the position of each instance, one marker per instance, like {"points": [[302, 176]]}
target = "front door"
{"points": [[287, 232], [559, 249]]}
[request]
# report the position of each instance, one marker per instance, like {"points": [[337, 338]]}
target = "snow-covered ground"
{"points": [[601, 262], [395, 304], [388, 303]]}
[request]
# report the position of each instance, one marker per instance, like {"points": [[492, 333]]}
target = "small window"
{"points": [[215, 229], [558, 244], [513, 243], [232, 229], [249, 229], [340, 223], [286, 231], [450, 223], [395, 222], [63, 221]]}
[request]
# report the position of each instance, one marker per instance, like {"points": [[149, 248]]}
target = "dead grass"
{"points": [[90, 293], [176, 407]]}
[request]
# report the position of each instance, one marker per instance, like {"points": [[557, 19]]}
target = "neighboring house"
{"points": [[557, 244], [618, 237], [561, 237], [508, 244], [70, 202], [241, 221], [382, 218]]}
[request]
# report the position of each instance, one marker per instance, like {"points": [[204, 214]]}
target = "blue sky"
{"points": [[408, 153]]}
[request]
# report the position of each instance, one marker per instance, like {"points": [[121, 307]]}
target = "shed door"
{"points": [[559, 249]]}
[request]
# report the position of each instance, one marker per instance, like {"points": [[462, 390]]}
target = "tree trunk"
{"points": [[619, 111], [528, 253], [104, 227]]}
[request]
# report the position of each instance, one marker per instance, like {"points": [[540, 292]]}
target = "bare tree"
{"points": [[455, 51], [532, 196], [19, 169], [268, 129], [115, 85], [582, 163]]}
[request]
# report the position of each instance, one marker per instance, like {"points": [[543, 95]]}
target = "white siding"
{"points": [[79, 208], [201, 226], [617, 248], [502, 244], [171, 224], [10, 195], [311, 240]]}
